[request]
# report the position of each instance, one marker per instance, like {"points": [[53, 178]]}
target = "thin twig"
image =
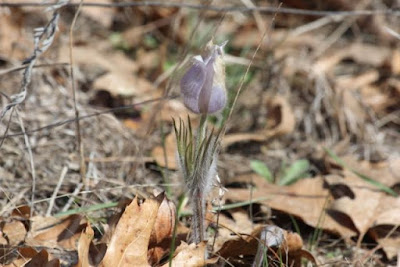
{"points": [[314, 25], [392, 32], [77, 124], [225, 8], [55, 192], [7, 128], [28, 146], [13, 69], [72, 196]]}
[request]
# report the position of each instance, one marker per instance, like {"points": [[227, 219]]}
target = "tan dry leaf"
{"points": [[395, 62], [189, 255], [15, 232], [123, 84], [117, 72], [377, 55], [362, 209], [130, 240], [280, 119], [234, 138], [239, 244], [386, 225], [3, 240], [373, 97], [55, 232], [103, 58], [147, 60], [351, 114], [290, 244], [388, 238], [306, 199], [162, 231], [230, 229], [385, 172], [13, 39], [83, 247], [165, 221], [170, 150], [371, 211], [359, 81]]}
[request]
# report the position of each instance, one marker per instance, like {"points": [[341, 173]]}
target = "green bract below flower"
{"points": [[203, 85]]}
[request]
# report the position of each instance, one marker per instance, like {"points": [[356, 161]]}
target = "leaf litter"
{"points": [[307, 100]]}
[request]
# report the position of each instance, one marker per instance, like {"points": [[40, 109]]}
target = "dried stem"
{"points": [[78, 129], [225, 8], [32, 163], [198, 206]]}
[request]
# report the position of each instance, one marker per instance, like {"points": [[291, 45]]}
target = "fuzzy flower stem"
{"points": [[201, 131], [198, 196], [198, 206]]}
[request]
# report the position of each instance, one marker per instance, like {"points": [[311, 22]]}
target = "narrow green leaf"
{"points": [[262, 169], [87, 209], [239, 204], [295, 171]]}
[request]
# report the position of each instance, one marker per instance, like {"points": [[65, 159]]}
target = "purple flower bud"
{"points": [[203, 85]]}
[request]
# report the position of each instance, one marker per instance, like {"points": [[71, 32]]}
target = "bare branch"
{"points": [[226, 8]]}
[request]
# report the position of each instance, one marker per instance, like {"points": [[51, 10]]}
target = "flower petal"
{"points": [[206, 91], [191, 85], [217, 99]]}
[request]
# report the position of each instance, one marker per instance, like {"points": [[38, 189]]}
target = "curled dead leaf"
{"points": [[83, 247], [130, 240], [162, 231], [280, 121], [281, 118]]}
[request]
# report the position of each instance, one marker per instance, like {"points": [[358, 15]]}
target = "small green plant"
{"points": [[288, 175], [262, 169], [118, 41]]}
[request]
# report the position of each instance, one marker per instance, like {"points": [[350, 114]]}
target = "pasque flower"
{"points": [[203, 91], [203, 85]]}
